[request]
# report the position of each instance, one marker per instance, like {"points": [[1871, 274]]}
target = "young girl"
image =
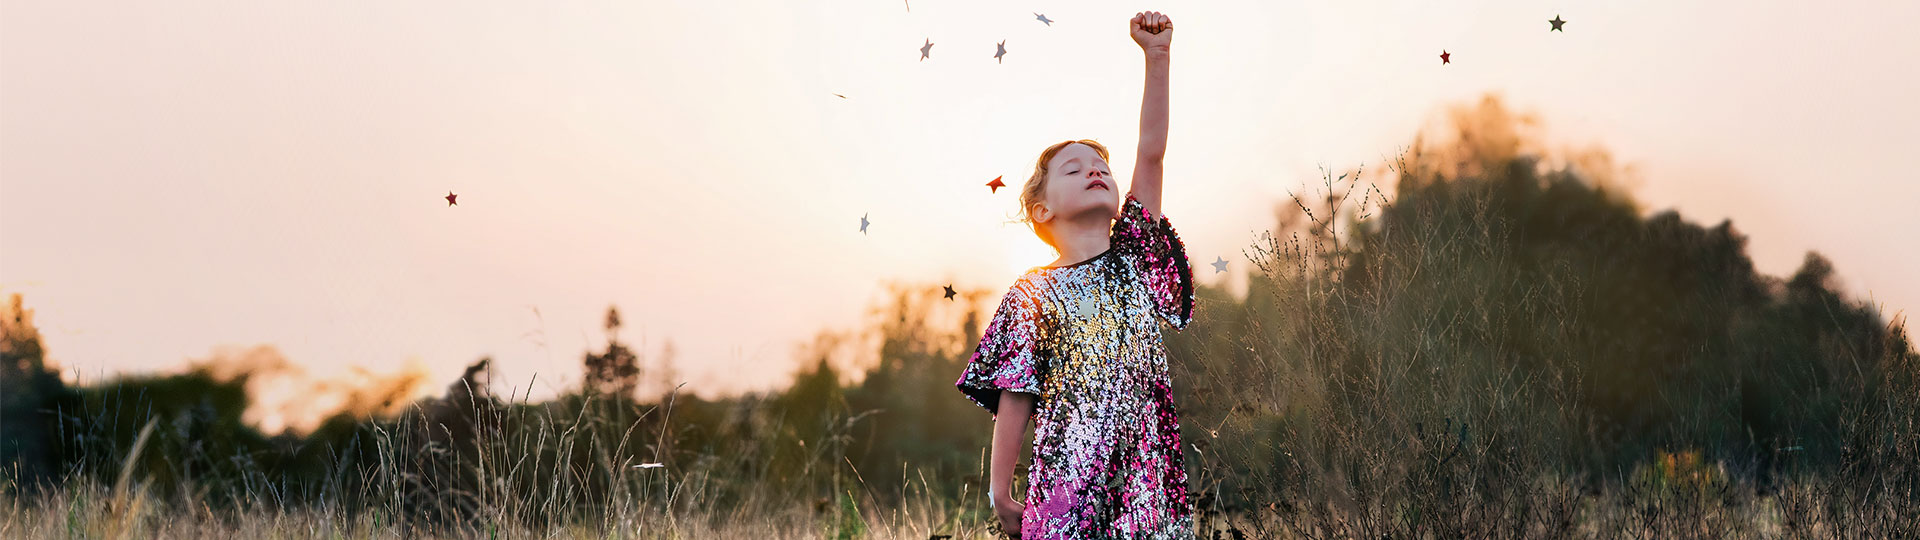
{"points": [[1075, 346]]}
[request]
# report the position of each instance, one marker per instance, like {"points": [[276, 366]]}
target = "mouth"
{"points": [[1097, 183]]}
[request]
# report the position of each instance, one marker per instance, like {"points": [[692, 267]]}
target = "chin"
{"points": [[1105, 206], [1109, 204], [1089, 203]]}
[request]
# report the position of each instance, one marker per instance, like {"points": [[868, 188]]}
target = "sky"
{"points": [[180, 178]]}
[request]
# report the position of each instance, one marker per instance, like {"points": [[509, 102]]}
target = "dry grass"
{"points": [[1377, 382]]}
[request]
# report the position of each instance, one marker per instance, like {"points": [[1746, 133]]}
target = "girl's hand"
{"points": [[1009, 511], [1152, 31]]}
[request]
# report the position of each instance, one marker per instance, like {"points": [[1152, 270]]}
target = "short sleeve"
{"points": [[1007, 358], [1154, 250]]}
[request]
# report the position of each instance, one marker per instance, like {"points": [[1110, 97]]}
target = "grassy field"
{"points": [[1507, 347]]}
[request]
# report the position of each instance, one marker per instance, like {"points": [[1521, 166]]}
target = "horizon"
{"points": [[179, 182]]}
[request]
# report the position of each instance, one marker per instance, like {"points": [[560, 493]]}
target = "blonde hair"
{"points": [[1036, 188]]}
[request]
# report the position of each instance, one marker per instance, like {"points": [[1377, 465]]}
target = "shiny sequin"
{"points": [[1083, 338]]}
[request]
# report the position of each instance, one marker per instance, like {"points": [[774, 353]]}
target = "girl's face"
{"points": [[1079, 182]]}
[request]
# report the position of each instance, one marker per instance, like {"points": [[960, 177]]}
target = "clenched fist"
{"points": [[1152, 31]]}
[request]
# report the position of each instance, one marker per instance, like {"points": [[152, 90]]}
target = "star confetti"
{"points": [[1043, 18], [1443, 57], [924, 49], [996, 184], [1219, 264], [1001, 52], [950, 292], [863, 223], [648, 466], [450, 197], [839, 96], [1556, 22]]}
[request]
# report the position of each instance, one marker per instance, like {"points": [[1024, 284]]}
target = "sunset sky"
{"points": [[181, 176]]}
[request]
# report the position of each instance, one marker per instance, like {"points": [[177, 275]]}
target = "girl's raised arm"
{"points": [[1153, 32]]}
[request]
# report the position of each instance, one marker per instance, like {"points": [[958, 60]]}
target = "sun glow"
{"points": [[1025, 251]]}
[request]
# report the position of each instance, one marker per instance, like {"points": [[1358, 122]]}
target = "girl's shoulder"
{"points": [[1031, 285], [1029, 281]]}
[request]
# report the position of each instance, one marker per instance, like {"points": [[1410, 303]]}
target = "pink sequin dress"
{"points": [[1083, 338]]}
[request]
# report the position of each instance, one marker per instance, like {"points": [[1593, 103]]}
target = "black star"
{"points": [[1556, 24], [950, 292]]}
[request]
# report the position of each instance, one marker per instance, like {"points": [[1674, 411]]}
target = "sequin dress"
{"points": [[1083, 338]]}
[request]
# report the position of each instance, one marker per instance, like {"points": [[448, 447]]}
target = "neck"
{"points": [[1078, 241]]}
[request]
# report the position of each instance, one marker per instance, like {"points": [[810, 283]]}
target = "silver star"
{"points": [[863, 224], [1002, 52], [1043, 18], [1219, 265], [925, 48], [1085, 307]]}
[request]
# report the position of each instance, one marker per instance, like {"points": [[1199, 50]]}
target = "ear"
{"points": [[1040, 213]]}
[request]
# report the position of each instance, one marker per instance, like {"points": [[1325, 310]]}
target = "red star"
{"points": [[1443, 57], [996, 184], [450, 197]]}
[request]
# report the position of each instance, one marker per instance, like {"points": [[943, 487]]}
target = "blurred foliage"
{"points": [[1502, 335]]}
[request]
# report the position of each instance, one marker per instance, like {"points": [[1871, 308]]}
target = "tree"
{"points": [[26, 386], [616, 371]]}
